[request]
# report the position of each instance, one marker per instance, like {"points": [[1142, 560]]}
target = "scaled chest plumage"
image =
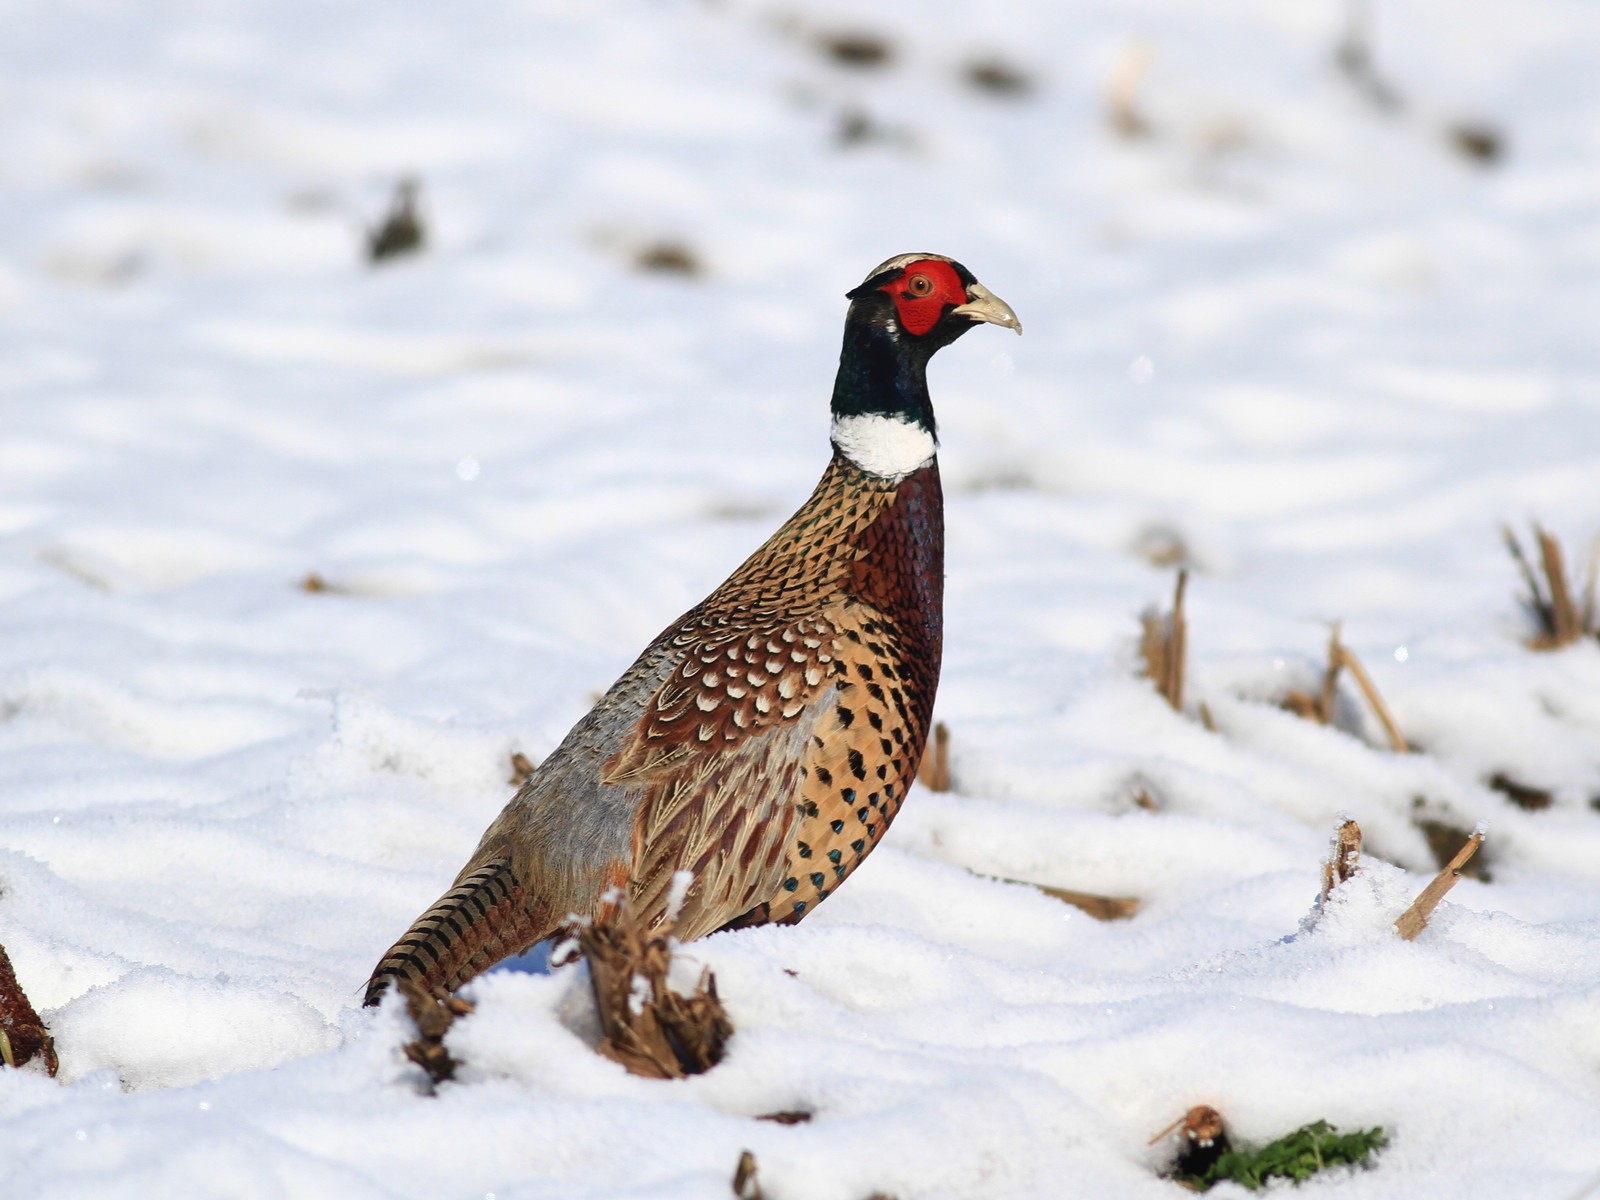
{"points": [[823, 651]]}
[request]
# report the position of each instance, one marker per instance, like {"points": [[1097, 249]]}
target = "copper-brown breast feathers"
{"points": [[816, 660]]}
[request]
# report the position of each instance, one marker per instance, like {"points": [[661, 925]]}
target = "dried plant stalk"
{"points": [[1343, 858], [1122, 90], [432, 1012], [934, 773], [1101, 908], [649, 1028], [792, 1116], [1370, 691], [746, 1179], [669, 256], [1319, 708], [1164, 645], [1180, 644], [1415, 919], [1566, 627], [402, 230], [1445, 840], [1561, 619], [23, 1035], [1534, 600], [1330, 675], [1354, 57]]}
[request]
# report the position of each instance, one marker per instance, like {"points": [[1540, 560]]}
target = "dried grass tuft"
{"points": [[433, 1012], [401, 231], [1561, 619], [650, 1029], [1164, 645], [1319, 707]]}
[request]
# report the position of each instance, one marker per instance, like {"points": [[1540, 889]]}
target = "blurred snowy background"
{"points": [[1311, 293]]}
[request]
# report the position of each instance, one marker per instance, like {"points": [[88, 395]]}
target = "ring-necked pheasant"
{"points": [[766, 739]]}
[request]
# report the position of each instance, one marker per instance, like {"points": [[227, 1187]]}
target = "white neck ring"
{"points": [[889, 446]]}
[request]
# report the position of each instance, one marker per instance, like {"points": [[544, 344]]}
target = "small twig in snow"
{"points": [[1164, 645], [746, 1184], [1415, 919], [792, 1116], [1344, 856], [1370, 691], [1101, 908]]}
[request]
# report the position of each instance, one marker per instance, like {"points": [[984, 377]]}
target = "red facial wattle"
{"points": [[923, 293]]}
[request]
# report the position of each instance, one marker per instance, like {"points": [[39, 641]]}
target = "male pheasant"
{"points": [[766, 739]]}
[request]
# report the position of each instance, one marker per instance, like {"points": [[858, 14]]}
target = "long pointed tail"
{"points": [[487, 916]]}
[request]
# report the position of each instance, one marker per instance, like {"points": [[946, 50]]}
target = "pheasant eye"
{"points": [[919, 285]]}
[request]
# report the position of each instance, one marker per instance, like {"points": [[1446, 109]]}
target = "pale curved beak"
{"points": [[984, 305]]}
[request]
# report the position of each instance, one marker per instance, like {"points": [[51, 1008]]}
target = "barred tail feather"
{"points": [[487, 916]]}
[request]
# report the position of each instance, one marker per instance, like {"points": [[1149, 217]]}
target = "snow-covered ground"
{"points": [[1304, 342]]}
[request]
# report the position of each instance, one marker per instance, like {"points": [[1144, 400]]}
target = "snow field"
{"points": [[1306, 344]]}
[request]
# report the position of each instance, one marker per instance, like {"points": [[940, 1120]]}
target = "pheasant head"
{"points": [[905, 310]]}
